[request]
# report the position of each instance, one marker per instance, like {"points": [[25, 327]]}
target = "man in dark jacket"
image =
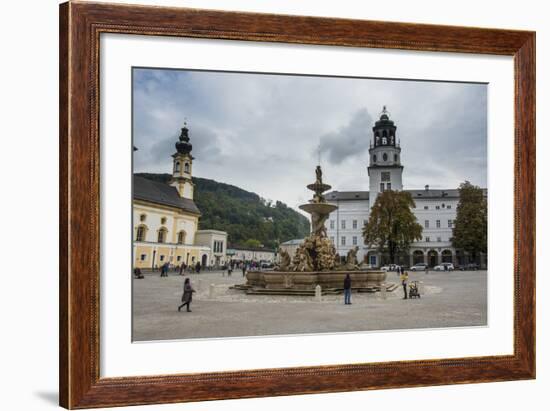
{"points": [[347, 289]]}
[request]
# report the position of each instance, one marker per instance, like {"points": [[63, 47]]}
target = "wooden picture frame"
{"points": [[80, 27]]}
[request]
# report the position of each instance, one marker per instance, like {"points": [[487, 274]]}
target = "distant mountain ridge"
{"points": [[248, 219]]}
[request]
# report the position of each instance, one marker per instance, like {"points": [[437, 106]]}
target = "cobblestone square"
{"points": [[449, 299]]}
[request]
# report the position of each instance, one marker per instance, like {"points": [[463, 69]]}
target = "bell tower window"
{"points": [[385, 157], [186, 167], [177, 167]]}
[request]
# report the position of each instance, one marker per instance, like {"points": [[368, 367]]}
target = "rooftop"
{"points": [[416, 194], [163, 194]]}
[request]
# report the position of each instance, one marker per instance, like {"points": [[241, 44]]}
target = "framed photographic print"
{"points": [[259, 205]]}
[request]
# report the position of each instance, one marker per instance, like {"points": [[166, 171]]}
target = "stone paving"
{"points": [[449, 299]]}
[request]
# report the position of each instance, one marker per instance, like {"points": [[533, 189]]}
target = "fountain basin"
{"points": [[296, 280], [318, 208]]}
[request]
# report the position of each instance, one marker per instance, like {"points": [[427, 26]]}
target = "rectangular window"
{"points": [[332, 224], [364, 222], [438, 239], [425, 207], [343, 240], [437, 207], [332, 240], [179, 258], [161, 258], [427, 239], [448, 207], [143, 257], [388, 186], [354, 240], [385, 176], [426, 223], [343, 224], [354, 223], [438, 223], [381, 187]]}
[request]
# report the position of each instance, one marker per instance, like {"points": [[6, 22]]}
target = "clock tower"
{"points": [[385, 169]]}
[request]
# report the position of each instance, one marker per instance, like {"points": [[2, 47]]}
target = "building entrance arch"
{"points": [[432, 258], [418, 257], [446, 256]]}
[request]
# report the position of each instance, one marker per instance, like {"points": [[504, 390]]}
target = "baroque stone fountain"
{"points": [[315, 261]]}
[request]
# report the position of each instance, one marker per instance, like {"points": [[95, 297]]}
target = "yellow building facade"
{"points": [[166, 219]]}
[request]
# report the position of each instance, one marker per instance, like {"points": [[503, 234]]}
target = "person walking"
{"points": [[404, 282], [187, 296], [230, 268], [347, 289], [182, 269], [244, 268]]}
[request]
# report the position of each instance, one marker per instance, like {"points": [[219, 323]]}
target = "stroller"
{"points": [[413, 290]]}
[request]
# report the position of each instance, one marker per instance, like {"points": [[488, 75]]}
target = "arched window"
{"points": [[374, 158], [395, 158], [177, 167], [141, 232], [161, 238], [181, 237], [385, 157], [384, 133], [186, 167]]}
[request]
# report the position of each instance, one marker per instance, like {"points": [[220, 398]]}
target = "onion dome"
{"points": [[183, 146]]}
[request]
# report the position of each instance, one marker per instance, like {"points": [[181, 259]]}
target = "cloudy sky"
{"points": [[261, 132]]}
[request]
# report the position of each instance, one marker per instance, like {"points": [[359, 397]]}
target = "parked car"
{"points": [[444, 267], [419, 267]]}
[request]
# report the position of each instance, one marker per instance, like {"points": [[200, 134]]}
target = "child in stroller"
{"points": [[413, 290]]}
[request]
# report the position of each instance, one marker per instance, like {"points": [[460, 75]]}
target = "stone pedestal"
{"points": [[318, 295]]}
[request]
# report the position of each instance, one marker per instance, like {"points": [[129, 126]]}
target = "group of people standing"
{"points": [[244, 266]]}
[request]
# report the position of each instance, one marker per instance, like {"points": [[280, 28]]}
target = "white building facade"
{"points": [[435, 209]]}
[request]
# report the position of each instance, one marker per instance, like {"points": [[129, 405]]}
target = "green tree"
{"points": [[252, 242], [470, 228], [392, 226]]}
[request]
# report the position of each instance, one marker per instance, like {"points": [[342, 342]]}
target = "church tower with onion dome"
{"points": [[385, 169], [183, 165]]}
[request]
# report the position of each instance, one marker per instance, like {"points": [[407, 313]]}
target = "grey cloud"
{"points": [[350, 140], [261, 132]]}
